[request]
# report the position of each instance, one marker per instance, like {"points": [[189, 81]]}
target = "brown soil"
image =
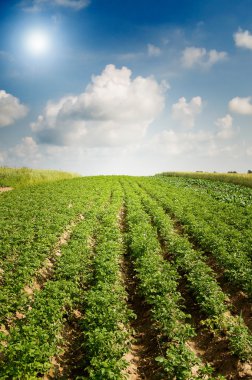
{"points": [[3, 189]]}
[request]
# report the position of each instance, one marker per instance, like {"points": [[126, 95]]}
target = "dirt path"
{"points": [[3, 189]]}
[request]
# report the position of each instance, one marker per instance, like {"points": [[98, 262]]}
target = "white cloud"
{"points": [[225, 125], [10, 109], [185, 112], [175, 143], [27, 151], [193, 56], [241, 105], [243, 39], [38, 5], [153, 51], [114, 110]]}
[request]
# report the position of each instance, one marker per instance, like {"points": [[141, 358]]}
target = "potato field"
{"points": [[117, 277]]}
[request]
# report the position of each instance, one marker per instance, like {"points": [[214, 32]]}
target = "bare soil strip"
{"points": [[145, 347], [3, 189]]}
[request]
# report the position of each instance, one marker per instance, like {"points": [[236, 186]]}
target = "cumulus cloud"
{"points": [[200, 57], [10, 109], [185, 112], [225, 125], [113, 110], [153, 51], [176, 143], [242, 106], [243, 39], [38, 5], [26, 151]]}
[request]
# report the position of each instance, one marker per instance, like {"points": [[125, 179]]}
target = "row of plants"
{"points": [[107, 317], [158, 283], [35, 338], [201, 222], [201, 280], [32, 222]]}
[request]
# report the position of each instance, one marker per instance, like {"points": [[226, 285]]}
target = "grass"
{"points": [[236, 178], [22, 177]]}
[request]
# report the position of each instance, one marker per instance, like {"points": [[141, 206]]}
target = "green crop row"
{"points": [[204, 226], [201, 280], [106, 319], [158, 282]]}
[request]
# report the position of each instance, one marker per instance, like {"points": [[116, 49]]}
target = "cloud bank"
{"points": [[114, 110]]}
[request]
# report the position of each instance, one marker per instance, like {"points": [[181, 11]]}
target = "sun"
{"points": [[37, 42]]}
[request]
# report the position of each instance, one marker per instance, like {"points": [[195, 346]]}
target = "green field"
{"points": [[117, 277], [236, 178]]}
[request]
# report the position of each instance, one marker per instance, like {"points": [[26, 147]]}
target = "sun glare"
{"points": [[38, 43]]}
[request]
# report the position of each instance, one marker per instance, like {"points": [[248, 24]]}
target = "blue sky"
{"points": [[132, 87]]}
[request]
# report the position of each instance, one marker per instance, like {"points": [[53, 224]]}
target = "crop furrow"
{"points": [[238, 302], [158, 282], [237, 266], [202, 282]]}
